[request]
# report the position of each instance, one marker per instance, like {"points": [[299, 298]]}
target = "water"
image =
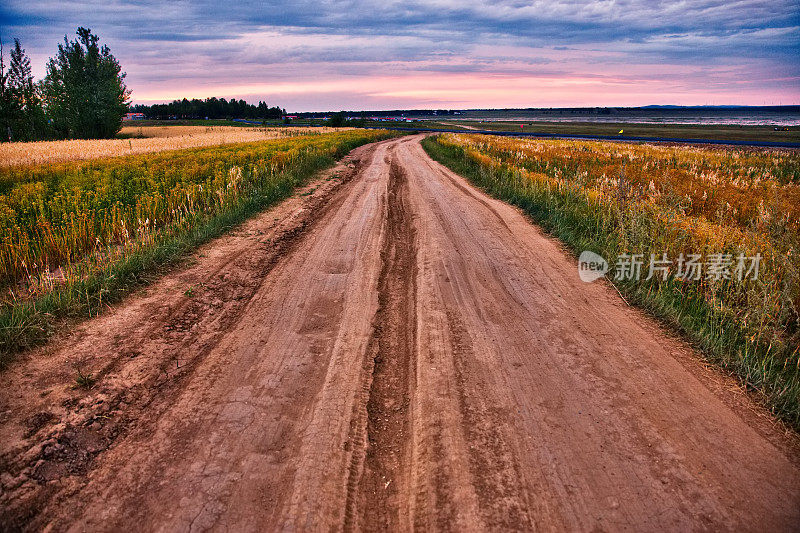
{"points": [[788, 116]]}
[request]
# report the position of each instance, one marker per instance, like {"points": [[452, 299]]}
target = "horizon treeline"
{"points": [[213, 108], [83, 94]]}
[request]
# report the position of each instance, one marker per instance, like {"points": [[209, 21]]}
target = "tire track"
{"points": [[377, 500], [494, 468]]}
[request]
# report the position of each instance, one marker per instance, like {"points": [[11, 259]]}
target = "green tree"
{"points": [[84, 90], [27, 116], [337, 120], [6, 100]]}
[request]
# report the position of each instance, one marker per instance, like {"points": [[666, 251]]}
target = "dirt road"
{"points": [[389, 350]]}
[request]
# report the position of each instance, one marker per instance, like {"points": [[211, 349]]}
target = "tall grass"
{"points": [[79, 235], [614, 198], [142, 139]]}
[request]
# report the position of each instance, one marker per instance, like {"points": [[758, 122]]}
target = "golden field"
{"points": [[626, 198], [79, 234], [143, 139], [52, 215], [731, 186]]}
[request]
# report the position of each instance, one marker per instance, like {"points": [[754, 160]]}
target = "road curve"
{"points": [[391, 350]]}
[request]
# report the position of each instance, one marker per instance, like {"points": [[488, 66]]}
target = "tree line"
{"points": [[83, 95], [209, 108]]}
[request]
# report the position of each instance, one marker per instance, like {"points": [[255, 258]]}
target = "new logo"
{"points": [[591, 266]]}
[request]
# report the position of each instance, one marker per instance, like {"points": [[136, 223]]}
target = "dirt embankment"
{"points": [[389, 350]]}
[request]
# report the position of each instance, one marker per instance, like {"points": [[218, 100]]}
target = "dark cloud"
{"points": [[212, 41]]}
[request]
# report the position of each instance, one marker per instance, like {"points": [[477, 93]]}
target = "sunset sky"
{"points": [[322, 55]]}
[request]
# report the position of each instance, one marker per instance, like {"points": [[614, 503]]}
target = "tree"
{"points": [[28, 122], [6, 101], [21, 114], [210, 108], [337, 120], [84, 90]]}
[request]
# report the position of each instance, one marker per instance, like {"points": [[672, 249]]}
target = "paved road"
{"points": [[392, 350]]}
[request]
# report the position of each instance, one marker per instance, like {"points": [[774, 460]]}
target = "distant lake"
{"points": [[787, 116]]}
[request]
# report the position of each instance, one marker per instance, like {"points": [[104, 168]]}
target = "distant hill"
{"points": [[545, 111]]}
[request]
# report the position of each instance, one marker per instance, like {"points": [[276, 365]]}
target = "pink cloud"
{"points": [[469, 90]]}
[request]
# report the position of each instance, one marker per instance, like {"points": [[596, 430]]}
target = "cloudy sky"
{"points": [[387, 54]]}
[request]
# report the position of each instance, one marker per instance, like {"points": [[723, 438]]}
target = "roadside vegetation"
{"points": [[723, 132], [78, 235], [615, 198]]}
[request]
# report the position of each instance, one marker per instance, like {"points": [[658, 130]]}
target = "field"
{"points": [[613, 199], [135, 139], [676, 131], [77, 234]]}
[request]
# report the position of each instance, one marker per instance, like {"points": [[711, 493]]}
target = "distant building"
{"points": [[133, 116]]}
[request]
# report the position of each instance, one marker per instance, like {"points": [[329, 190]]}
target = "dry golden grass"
{"points": [[154, 139], [724, 186], [170, 131], [76, 235], [671, 202]]}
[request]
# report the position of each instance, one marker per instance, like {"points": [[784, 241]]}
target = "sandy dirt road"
{"points": [[390, 350]]}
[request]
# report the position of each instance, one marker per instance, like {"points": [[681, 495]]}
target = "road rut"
{"points": [[390, 350]]}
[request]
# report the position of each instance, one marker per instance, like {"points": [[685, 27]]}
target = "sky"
{"points": [[326, 55]]}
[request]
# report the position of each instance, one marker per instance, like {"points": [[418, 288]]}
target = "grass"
{"points": [[140, 139], [84, 380], [237, 182], [685, 131], [612, 198]]}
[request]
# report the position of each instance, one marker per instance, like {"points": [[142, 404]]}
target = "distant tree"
{"points": [[84, 90], [210, 108], [337, 120]]}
